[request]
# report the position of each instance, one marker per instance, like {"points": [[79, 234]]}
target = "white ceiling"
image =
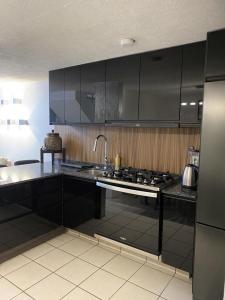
{"points": [[39, 35]]}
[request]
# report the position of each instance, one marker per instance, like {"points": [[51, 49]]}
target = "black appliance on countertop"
{"points": [[209, 265], [131, 208]]}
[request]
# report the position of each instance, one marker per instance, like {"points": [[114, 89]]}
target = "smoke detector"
{"points": [[127, 42]]}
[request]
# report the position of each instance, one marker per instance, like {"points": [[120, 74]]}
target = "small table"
{"points": [[43, 151]]}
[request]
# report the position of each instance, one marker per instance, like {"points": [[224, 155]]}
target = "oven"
{"points": [[130, 215]]}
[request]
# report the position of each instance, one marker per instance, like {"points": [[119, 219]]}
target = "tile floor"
{"points": [[70, 268]]}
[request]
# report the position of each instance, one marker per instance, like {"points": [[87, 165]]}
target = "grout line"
{"points": [[4, 276], [166, 286], [32, 284], [41, 254]]}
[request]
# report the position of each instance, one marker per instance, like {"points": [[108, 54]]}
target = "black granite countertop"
{"points": [[18, 174], [178, 191], [23, 173]]}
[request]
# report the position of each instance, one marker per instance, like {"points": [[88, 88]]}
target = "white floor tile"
{"points": [[8, 290], [79, 294], [61, 239], [102, 284], [151, 279], [54, 259], [12, 264], [28, 275], [178, 289], [98, 256], [77, 271], [52, 287], [130, 291], [38, 251], [22, 296], [77, 246], [122, 266]]}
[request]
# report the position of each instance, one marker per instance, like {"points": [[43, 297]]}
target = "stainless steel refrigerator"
{"points": [[209, 262]]}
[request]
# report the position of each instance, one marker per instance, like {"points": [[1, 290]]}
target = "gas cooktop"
{"points": [[140, 178]]}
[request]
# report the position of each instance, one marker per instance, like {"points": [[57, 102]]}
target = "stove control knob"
{"points": [[110, 175], [145, 181], [105, 174], [139, 180]]}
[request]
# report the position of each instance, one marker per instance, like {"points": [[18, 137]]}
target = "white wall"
{"points": [[24, 142]]}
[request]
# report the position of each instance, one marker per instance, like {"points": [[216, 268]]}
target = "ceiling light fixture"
{"points": [[127, 42]]}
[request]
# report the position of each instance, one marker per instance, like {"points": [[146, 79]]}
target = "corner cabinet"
{"points": [[122, 88], [93, 93], [56, 97], [160, 80], [192, 85]]}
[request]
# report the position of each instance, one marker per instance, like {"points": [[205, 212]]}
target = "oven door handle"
{"points": [[127, 191]]}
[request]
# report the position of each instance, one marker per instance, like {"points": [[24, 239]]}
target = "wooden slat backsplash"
{"points": [[162, 149]]}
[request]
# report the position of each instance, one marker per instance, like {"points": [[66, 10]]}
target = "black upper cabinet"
{"points": [[160, 80], [93, 93], [192, 83], [122, 88], [215, 65], [72, 95], [56, 97]]}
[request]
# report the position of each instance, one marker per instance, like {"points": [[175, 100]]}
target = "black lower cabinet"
{"points": [[28, 211], [80, 202], [209, 267], [178, 233]]}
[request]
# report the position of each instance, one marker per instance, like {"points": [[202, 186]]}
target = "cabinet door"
{"points": [[192, 83], [211, 188], [122, 88], [56, 97], [72, 95], [209, 266], [160, 80], [178, 233], [93, 93], [79, 201], [215, 62], [28, 211]]}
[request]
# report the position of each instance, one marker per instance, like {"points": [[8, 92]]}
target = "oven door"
{"points": [[130, 216]]}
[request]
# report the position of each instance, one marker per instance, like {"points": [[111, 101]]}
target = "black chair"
{"points": [[2, 166], [25, 162]]}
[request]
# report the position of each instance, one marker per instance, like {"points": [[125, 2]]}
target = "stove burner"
{"points": [[141, 176]]}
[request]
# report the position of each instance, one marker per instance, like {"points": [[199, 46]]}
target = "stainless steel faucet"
{"points": [[106, 146]]}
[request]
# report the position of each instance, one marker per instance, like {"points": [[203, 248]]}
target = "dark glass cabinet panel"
{"points": [[80, 199], [29, 210], [56, 97], [160, 80], [211, 204], [178, 233], [122, 88], [192, 83], [93, 93], [209, 266], [215, 66], [72, 95]]}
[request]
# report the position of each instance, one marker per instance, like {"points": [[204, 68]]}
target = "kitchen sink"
{"points": [[92, 172]]}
